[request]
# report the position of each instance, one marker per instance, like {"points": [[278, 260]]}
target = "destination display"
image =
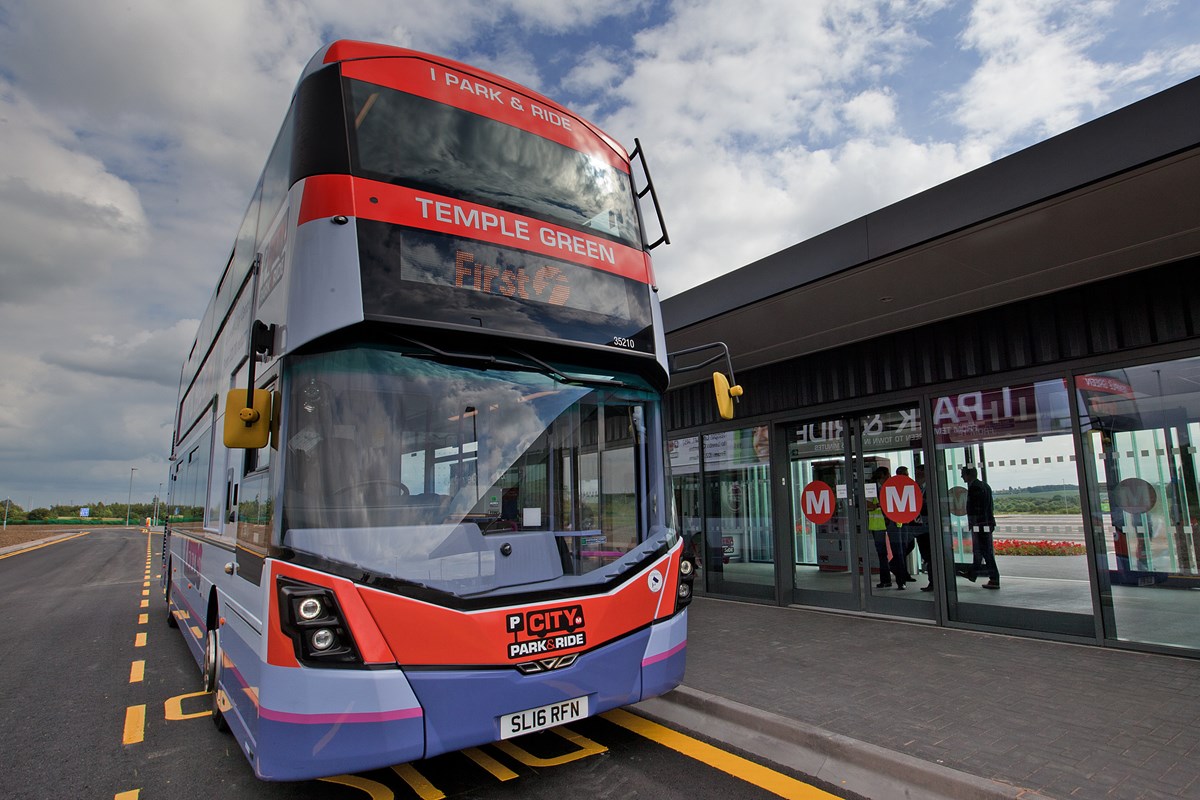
{"points": [[423, 275], [475, 267]]}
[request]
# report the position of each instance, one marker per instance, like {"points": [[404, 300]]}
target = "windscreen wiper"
{"points": [[478, 358], [567, 377]]}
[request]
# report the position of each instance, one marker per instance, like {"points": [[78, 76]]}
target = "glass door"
{"points": [[824, 555], [857, 498], [893, 527]]}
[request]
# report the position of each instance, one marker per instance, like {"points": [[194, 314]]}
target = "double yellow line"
{"points": [[135, 715]]}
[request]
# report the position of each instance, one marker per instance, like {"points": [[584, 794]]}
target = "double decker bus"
{"points": [[417, 483]]}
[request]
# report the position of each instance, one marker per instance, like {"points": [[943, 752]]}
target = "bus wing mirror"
{"points": [[247, 428], [725, 394]]}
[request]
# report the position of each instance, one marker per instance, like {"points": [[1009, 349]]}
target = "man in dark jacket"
{"points": [[981, 519]]}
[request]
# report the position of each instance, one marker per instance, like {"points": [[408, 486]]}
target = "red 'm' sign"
{"points": [[816, 502], [900, 498]]}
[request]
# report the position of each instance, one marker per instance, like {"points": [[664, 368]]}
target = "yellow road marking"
{"points": [[133, 794], [418, 783], [173, 707], [377, 791], [137, 671], [145, 604], [143, 619], [140, 640], [135, 724], [738, 767], [145, 592], [40, 546], [498, 770], [586, 748]]}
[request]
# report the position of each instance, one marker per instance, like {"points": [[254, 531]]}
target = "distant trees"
{"points": [[97, 512], [1051, 499]]}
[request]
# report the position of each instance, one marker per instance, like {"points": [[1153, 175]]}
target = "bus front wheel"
{"points": [[212, 674], [171, 621]]}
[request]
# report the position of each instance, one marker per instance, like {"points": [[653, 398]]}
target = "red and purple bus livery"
{"points": [[418, 497]]}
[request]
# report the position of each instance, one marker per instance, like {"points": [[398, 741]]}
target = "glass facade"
{"points": [[1064, 506], [1140, 427], [721, 483], [1013, 444]]}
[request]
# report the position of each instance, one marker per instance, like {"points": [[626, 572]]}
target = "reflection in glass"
{"points": [[1018, 441], [422, 142], [819, 503], [464, 481], [893, 479], [688, 506], [740, 551], [1140, 428]]}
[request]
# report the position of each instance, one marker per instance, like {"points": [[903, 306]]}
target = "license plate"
{"points": [[539, 719]]}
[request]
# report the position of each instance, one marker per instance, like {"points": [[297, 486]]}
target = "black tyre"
{"points": [[212, 674], [171, 621]]}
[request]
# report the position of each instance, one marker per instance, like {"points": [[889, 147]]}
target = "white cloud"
{"points": [[871, 111], [62, 214], [1044, 71], [153, 356], [742, 108]]}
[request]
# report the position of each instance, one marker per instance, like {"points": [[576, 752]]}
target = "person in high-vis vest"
{"points": [[878, 525]]}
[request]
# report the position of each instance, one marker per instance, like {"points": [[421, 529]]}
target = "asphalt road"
{"points": [[102, 700]]}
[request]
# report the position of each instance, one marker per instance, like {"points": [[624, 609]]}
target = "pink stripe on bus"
{"points": [[663, 656], [328, 719]]}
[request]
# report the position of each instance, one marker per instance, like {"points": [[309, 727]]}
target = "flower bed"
{"points": [[1045, 547]]}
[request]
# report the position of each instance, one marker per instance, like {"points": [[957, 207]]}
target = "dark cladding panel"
{"points": [[1143, 308]]}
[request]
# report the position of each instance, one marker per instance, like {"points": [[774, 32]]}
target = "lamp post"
{"points": [[130, 498], [156, 498]]}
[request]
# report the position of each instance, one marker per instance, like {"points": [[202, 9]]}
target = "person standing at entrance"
{"points": [[877, 524], [886, 532], [901, 541], [920, 529], [981, 519]]}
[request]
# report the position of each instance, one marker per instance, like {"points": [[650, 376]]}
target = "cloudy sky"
{"points": [[132, 133]]}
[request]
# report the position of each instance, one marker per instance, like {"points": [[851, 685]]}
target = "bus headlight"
{"points": [[687, 576], [311, 617], [309, 609]]}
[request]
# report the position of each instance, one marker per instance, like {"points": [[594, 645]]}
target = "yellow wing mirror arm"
{"points": [[727, 390]]}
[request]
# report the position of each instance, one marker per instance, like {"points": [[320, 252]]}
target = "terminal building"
{"points": [[1036, 321]]}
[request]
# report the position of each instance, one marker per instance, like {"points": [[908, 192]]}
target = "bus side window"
{"points": [[255, 511]]}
